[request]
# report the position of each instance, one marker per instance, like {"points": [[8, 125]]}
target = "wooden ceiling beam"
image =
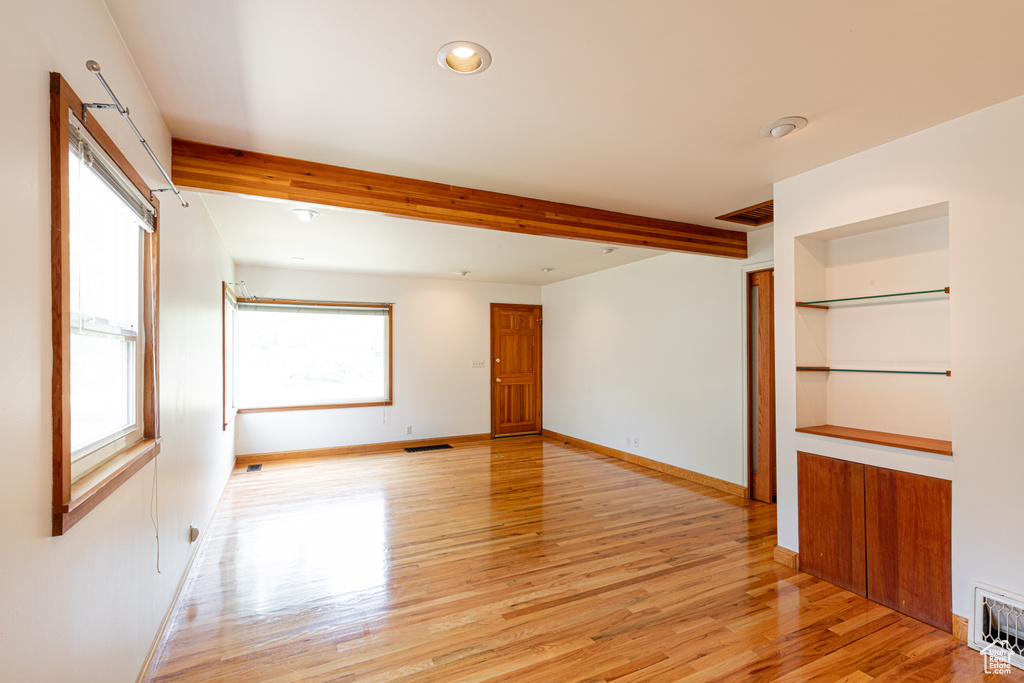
{"points": [[202, 166]]}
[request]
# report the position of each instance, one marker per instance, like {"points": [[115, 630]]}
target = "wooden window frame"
{"points": [[228, 298], [73, 500], [331, 406]]}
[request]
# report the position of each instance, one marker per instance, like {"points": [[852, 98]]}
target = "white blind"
{"points": [[83, 146], [327, 309]]}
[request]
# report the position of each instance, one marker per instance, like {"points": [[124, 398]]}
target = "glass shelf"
{"points": [[819, 368], [824, 303]]}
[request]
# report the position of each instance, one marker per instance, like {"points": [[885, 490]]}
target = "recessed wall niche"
{"points": [[872, 330]]}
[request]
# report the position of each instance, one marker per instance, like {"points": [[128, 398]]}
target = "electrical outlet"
{"points": [[408, 430], [628, 441], [636, 442], [478, 364]]}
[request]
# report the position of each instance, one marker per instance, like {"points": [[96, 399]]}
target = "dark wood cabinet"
{"points": [[909, 521], [878, 532], [831, 505]]}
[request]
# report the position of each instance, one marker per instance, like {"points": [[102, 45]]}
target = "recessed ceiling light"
{"points": [[547, 270], [607, 250], [463, 273], [298, 258], [783, 127], [305, 215], [464, 58]]}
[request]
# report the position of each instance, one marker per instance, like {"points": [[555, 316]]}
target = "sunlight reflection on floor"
{"points": [[335, 556]]}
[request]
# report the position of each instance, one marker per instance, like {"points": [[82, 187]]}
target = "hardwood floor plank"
{"points": [[518, 560]]}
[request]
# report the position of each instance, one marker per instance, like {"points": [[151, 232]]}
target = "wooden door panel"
{"points": [[909, 544], [505, 355], [515, 369], [761, 361], [831, 520], [517, 355], [505, 320], [526, 355], [517, 405], [882, 531]]}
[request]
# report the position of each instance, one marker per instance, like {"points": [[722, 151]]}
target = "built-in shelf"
{"points": [[824, 303], [821, 368], [913, 443]]}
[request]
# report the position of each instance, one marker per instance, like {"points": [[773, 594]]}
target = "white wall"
{"points": [[439, 328], [86, 606], [654, 350], [975, 164]]}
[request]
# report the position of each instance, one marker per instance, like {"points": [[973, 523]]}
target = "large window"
{"points": [[104, 311], [106, 280], [312, 355]]}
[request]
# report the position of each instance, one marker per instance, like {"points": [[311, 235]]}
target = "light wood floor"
{"points": [[519, 560]]}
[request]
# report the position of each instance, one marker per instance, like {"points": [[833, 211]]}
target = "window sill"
{"points": [[90, 490], [326, 406]]}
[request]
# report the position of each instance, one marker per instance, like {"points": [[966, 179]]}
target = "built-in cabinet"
{"points": [[831, 507], [880, 533], [874, 378]]}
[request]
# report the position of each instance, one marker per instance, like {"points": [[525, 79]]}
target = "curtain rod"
{"points": [[94, 67], [306, 302], [242, 290]]}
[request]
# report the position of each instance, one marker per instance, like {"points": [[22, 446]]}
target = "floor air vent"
{"points": [[420, 449], [997, 627], [254, 468]]}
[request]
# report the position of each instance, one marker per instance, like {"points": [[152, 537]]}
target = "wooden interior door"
{"points": [[761, 383], [515, 369], [830, 500]]}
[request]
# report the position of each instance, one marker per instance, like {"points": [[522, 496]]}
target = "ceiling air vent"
{"points": [[997, 627], [752, 216]]}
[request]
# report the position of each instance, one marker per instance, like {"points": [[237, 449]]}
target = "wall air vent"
{"points": [[419, 449], [997, 627], [752, 216]]}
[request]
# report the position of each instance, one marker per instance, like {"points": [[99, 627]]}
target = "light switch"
{"points": [[478, 364]]}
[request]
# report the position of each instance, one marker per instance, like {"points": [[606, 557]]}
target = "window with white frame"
{"points": [[229, 330], [294, 355], [107, 221]]}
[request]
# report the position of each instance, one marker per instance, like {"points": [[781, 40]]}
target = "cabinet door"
{"points": [[831, 510], [909, 521]]}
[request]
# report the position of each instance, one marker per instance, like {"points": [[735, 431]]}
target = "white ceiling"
{"points": [[649, 107], [266, 233]]}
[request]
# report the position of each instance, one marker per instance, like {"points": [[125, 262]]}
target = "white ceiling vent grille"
{"points": [[997, 626]]}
